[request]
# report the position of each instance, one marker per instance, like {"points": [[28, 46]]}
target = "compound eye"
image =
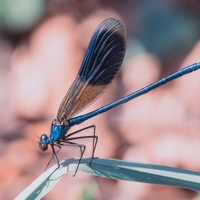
{"points": [[44, 146]]}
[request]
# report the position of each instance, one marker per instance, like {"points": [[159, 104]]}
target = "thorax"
{"points": [[58, 129]]}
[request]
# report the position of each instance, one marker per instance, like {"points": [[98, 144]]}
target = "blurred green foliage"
{"points": [[20, 15]]}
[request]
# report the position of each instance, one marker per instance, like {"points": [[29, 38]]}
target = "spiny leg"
{"points": [[53, 156], [95, 140], [56, 158], [82, 150], [80, 130], [94, 137]]}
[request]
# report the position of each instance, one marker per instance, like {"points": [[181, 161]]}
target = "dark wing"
{"points": [[102, 61]]}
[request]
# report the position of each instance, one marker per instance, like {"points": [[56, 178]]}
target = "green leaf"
{"points": [[114, 169]]}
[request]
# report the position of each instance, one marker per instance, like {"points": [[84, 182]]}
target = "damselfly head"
{"points": [[43, 144]]}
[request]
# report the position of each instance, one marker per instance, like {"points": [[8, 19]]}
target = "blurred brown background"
{"points": [[42, 45]]}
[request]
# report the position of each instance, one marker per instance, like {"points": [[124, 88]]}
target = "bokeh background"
{"points": [[42, 45]]}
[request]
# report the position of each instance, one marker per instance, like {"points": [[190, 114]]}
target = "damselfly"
{"points": [[102, 61]]}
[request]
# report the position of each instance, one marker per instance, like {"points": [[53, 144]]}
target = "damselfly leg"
{"points": [[93, 136], [53, 156], [72, 140]]}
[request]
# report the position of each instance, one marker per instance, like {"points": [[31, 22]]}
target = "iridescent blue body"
{"points": [[102, 61], [58, 131]]}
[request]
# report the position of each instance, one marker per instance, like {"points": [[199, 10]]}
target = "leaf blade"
{"points": [[114, 169]]}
